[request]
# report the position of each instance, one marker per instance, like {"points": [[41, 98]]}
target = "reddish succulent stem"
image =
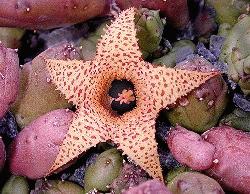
{"points": [[176, 11], [46, 14]]}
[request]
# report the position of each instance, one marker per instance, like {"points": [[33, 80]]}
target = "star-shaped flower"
{"points": [[86, 84]]}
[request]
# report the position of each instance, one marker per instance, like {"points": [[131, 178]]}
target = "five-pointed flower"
{"points": [[86, 84]]}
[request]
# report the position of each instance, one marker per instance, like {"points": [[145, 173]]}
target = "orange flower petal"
{"points": [[137, 140], [70, 77], [119, 44], [168, 84], [86, 84], [84, 132]]}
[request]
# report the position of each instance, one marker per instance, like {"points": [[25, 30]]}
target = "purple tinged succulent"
{"points": [[204, 23], [149, 187], [56, 187], [43, 14], [9, 78], [213, 52], [215, 45], [130, 176], [206, 53], [194, 183], [190, 149], [35, 148], [228, 163], [242, 102]]}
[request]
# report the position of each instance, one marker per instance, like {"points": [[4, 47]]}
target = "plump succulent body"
{"points": [[211, 98], [56, 187], [228, 12], [194, 183], [235, 53], [149, 30], [181, 49], [228, 154], [37, 94], [105, 169], [35, 148], [16, 185], [10, 37], [9, 78], [238, 119]]}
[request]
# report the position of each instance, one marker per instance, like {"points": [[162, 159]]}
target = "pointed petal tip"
{"points": [[119, 43], [212, 74]]}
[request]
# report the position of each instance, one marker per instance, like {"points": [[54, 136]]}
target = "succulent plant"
{"points": [[203, 17], [231, 167], [87, 48], [226, 160], [242, 102], [238, 119], [47, 15], [210, 100], [190, 149], [175, 172], [176, 11], [228, 12], [224, 29], [88, 45], [181, 49], [28, 15], [235, 52], [194, 183], [105, 169], [34, 150], [130, 176], [149, 30], [37, 94], [149, 187], [215, 45], [9, 78], [16, 185], [10, 37], [56, 187]]}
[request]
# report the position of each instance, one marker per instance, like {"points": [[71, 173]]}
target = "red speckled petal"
{"points": [[168, 85], [137, 140], [85, 132], [87, 85], [119, 42], [70, 77]]}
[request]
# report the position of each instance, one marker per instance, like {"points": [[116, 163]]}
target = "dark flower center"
{"points": [[122, 95]]}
